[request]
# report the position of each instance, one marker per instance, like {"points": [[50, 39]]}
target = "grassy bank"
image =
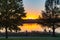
{"points": [[41, 38]]}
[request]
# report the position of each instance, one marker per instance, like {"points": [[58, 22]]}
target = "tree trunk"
{"points": [[6, 32], [53, 31], [53, 15]]}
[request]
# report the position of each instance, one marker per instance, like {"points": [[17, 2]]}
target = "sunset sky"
{"points": [[33, 8]]}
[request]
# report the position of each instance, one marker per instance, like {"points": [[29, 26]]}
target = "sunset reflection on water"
{"points": [[31, 27]]}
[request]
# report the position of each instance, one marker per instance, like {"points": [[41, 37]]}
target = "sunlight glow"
{"points": [[33, 15]]}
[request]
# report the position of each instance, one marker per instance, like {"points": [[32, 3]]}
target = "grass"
{"points": [[40, 38]]}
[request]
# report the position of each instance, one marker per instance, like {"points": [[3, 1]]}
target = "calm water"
{"points": [[33, 27], [36, 27]]}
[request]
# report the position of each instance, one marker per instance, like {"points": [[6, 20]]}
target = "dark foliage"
{"points": [[11, 12]]}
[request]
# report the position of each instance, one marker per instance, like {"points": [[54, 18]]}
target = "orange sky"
{"points": [[33, 14]]}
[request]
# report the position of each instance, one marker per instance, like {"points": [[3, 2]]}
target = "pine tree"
{"points": [[11, 13]]}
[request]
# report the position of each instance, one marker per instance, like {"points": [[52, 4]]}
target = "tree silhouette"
{"points": [[52, 8], [11, 12]]}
